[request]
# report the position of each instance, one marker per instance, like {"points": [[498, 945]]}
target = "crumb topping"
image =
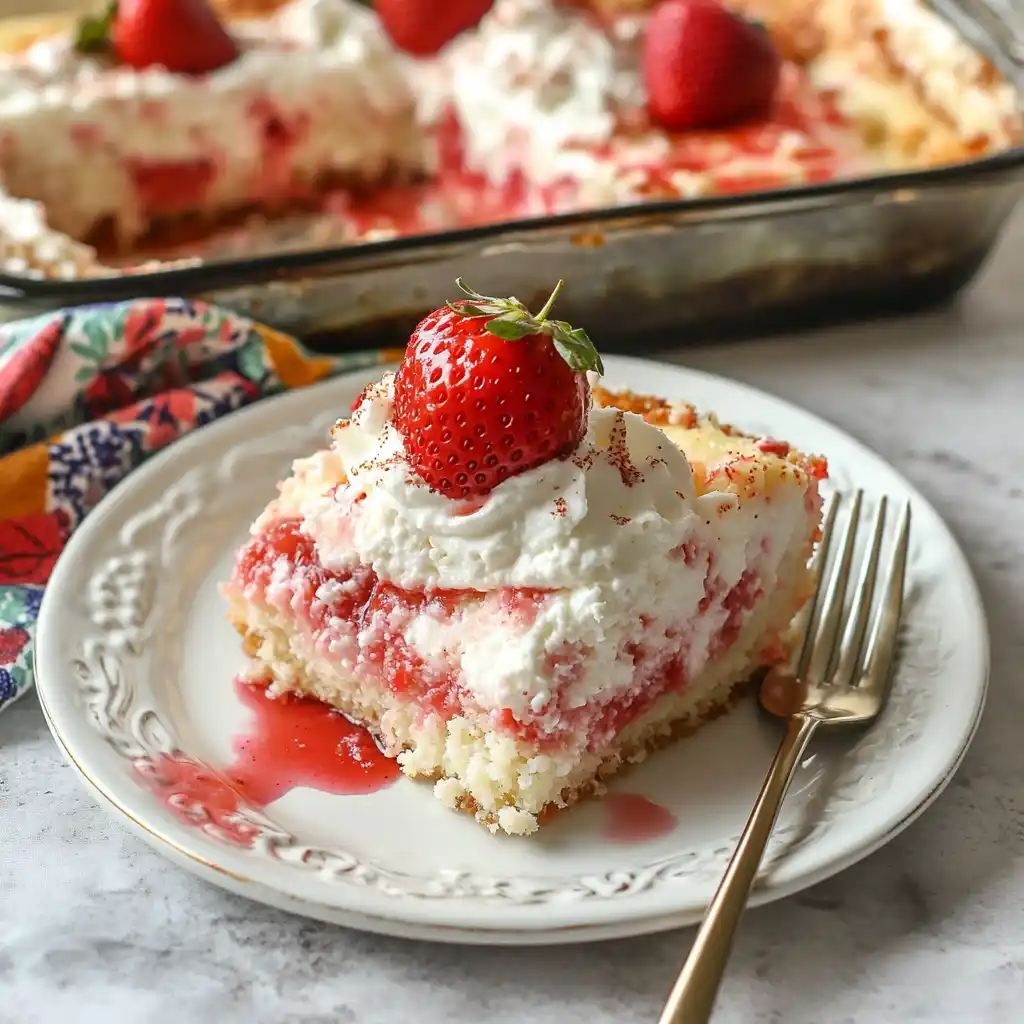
{"points": [[721, 456]]}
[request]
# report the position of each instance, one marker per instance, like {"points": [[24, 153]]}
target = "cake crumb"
{"points": [[516, 822], [450, 792]]}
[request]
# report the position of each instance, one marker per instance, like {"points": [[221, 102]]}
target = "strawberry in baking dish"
{"points": [[518, 580]]}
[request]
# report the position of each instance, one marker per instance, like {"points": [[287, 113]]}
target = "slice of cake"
{"points": [[518, 583]]}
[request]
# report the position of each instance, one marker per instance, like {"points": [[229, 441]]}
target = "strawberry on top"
{"points": [[422, 27], [706, 67], [487, 390], [183, 36]]}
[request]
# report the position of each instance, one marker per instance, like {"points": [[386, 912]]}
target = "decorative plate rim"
{"points": [[410, 916], [528, 935]]}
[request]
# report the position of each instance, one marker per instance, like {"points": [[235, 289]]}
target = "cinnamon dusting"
{"points": [[618, 453]]}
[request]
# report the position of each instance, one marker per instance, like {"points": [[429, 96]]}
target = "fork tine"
{"points": [[860, 610], [818, 563], [885, 633], [832, 609]]}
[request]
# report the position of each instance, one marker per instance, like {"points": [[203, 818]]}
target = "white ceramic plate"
{"points": [[135, 659]]}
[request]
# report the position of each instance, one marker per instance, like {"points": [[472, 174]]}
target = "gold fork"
{"points": [[836, 681]]}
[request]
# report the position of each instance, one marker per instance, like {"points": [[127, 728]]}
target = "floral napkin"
{"points": [[88, 394]]}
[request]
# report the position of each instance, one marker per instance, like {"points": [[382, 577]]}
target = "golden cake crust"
{"points": [[722, 457]]}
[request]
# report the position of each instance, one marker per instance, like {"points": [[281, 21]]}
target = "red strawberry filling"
{"points": [[354, 617], [166, 188], [279, 134]]}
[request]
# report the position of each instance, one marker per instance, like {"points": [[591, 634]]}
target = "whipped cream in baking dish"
{"points": [[608, 547], [28, 245], [538, 75]]}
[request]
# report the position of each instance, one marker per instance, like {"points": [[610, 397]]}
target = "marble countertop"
{"points": [[97, 927]]}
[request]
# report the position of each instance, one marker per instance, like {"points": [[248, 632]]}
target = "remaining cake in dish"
{"points": [[521, 585], [165, 122]]}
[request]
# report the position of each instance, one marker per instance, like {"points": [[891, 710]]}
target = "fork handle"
{"points": [[694, 993]]}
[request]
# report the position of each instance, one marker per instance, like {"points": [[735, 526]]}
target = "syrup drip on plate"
{"points": [[632, 818], [196, 796], [294, 742], [297, 741]]}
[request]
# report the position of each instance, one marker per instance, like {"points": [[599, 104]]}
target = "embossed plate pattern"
{"points": [[136, 662]]}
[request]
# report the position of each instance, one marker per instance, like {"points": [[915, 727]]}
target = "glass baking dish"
{"points": [[698, 267]]}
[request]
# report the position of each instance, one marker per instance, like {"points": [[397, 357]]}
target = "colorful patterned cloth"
{"points": [[88, 394]]}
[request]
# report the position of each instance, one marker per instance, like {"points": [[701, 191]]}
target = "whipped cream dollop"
{"points": [[532, 78], [624, 497]]}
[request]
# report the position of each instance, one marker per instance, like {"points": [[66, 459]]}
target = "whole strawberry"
{"points": [[706, 67], [486, 390], [183, 36], [422, 27]]}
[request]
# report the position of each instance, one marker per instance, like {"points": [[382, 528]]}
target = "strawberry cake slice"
{"points": [[520, 583]]}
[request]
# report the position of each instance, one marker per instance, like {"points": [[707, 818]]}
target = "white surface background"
{"points": [[95, 927]]}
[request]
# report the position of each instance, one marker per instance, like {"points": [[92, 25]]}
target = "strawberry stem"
{"points": [[510, 320], [546, 308], [93, 32]]}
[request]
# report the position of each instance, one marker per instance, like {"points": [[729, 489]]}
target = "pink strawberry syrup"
{"points": [[292, 742], [631, 818], [296, 741], [196, 796]]}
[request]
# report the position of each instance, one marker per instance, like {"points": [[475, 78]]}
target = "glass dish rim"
{"points": [[268, 267]]}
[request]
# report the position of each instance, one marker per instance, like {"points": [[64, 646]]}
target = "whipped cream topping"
{"points": [[532, 78], [29, 246], [52, 72], [624, 497]]}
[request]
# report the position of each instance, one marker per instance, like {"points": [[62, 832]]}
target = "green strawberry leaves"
{"points": [[510, 328], [510, 320], [93, 35]]}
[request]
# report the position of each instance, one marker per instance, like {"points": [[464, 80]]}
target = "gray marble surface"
{"points": [[96, 927]]}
